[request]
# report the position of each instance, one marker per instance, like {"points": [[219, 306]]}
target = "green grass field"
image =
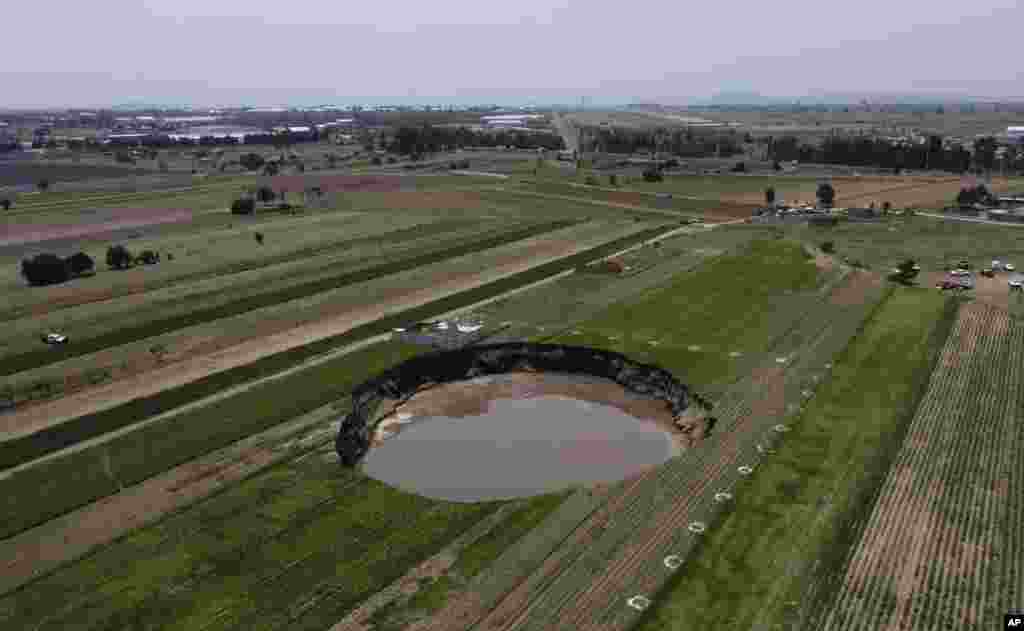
{"points": [[931, 242], [792, 521], [725, 305]]}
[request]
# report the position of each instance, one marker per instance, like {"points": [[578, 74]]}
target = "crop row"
{"points": [[39, 493], [35, 359], [686, 487], [942, 545]]}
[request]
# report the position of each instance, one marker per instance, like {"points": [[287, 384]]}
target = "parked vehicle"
{"points": [[55, 338]]}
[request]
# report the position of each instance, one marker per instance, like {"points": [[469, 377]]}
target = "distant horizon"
{"points": [[725, 98]]}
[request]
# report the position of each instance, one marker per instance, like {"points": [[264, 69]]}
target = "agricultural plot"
{"points": [[941, 546], [790, 522], [28, 173], [555, 589], [100, 470], [293, 548], [262, 331], [933, 243], [99, 326]]}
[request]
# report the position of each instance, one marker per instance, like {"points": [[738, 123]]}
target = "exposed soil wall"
{"points": [[408, 378]]}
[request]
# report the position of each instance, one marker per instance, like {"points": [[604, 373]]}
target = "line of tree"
{"points": [[686, 143], [881, 153], [430, 139], [50, 269]]}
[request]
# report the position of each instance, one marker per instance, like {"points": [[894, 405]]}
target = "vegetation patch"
{"points": [[806, 500]]}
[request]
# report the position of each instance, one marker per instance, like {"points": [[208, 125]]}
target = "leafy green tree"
{"points": [[119, 257], [43, 185], [45, 269], [79, 263], [905, 272], [251, 161], [769, 196], [826, 195]]}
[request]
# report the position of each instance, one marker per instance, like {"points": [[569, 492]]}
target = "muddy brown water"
{"points": [[518, 447]]}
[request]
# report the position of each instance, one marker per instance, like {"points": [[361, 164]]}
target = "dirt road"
{"points": [[103, 397]]}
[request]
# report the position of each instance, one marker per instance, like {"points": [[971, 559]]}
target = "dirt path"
{"points": [[39, 417]]}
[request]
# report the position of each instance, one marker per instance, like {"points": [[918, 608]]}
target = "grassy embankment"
{"points": [[793, 521]]}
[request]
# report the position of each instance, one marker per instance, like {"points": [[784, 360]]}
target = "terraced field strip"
{"points": [[439, 251], [295, 547], [942, 545], [363, 237], [759, 564], [79, 200], [636, 210], [40, 493]]}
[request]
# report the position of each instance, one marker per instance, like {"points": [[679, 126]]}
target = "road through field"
{"points": [[39, 417]]}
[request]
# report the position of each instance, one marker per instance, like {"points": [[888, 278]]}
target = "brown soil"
{"points": [[271, 339], [332, 183], [858, 286], [40, 549], [470, 398], [16, 234], [723, 212]]}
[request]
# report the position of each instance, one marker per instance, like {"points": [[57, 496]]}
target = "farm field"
{"points": [[123, 470], [28, 173], [99, 325], [302, 321], [933, 243], [790, 523], [602, 552], [941, 545], [242, 523], [97, 471]]}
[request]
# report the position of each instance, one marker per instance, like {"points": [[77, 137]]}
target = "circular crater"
{"points": [[445, 427]]}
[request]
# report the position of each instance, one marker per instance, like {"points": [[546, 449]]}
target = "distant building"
{"points": [[1015, 134]]}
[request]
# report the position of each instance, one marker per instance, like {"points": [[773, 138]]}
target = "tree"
{"points": [[243, 206], [613, 180], [905, 272], [828, 247], [826, 195], [79, 263], [45, 269], [886, 207], [259, 237], [43, 185], [148, 257], [251, 161], [376, 161], [769, 196], [6, 203], [265, 195], [119, 257], [739, 167], [652, 175], [776, 166], [271, 169]]}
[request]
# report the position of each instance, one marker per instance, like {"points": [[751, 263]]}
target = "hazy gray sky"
{"points": [[321, 51]]}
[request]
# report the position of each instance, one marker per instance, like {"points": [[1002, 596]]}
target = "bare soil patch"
{"points": [[856, 289], [111, 221], [338, 183], [729, 212]]}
